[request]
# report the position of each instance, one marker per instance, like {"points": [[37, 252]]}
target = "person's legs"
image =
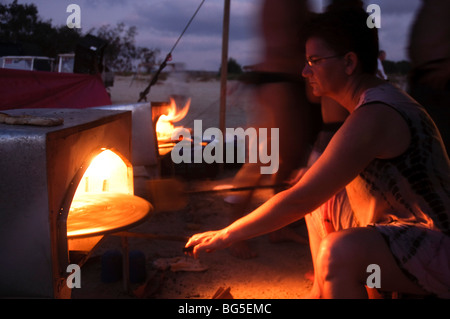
{"points": [[342, 261], [333, 215], [315, 235]]}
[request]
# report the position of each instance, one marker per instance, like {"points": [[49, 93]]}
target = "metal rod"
{"points": [[143, 94], [186, 27], [125, 264], [152, 236]]}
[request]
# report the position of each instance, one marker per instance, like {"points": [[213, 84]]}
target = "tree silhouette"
{"points": [[21, 27], [121, 50], [233, 68]]}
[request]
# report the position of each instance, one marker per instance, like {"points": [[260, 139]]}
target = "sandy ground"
{"points": [[278, 271]]}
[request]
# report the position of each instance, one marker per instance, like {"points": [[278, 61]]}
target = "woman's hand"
{"points": [[208, 242]]}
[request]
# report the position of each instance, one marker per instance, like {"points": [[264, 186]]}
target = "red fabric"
{"points": [[37, 89]]}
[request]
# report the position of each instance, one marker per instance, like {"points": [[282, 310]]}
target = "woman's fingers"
{"points": [[197, 238], [196, 242], [208, 242]]}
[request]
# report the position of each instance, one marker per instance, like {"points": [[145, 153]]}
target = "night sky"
{"points": [[160, 22]]}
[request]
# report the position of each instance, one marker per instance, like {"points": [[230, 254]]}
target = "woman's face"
{"points": [[324, 68]]}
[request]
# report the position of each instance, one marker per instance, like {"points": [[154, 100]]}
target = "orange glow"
{"points": [[164, 126], [104, 200], [91, 215], [106, 173]]}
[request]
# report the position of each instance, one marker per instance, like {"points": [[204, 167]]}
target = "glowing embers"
{"points": [[104, 200]]}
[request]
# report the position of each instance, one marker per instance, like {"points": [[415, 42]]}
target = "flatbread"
{"points": [[95, 214], [30, 120], [179, 264]]}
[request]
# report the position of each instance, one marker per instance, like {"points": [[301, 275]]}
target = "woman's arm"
{"points": [[373, 131]]}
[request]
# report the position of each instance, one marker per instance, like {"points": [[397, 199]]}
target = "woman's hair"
{"points": [[346, 30]]}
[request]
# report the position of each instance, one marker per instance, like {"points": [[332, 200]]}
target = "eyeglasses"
{"points": [[315, 61]]}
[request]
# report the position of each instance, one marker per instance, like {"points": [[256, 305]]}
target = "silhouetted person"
{"points": [[429, 51], [281, 100]]}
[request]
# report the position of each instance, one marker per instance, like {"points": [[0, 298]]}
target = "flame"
{"points": [[104, 198], [164, 126], [107, 172]]}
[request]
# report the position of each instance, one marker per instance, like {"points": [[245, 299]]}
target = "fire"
{"points": [[106, 173], [104, 199], [164, 126]]}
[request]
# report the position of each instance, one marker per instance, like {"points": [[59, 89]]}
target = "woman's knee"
{"points": [[341, 254]]}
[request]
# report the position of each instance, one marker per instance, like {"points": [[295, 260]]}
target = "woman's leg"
{"points": [[320, 224], [342, 261], [315, 239]]}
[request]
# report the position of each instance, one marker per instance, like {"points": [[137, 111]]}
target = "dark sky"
{"points": [[160, 22]]}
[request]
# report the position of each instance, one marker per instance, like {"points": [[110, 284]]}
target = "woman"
{"points": [[379, 193]]}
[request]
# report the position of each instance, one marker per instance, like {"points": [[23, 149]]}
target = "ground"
{"points": [[280, 270], [277, 272]]}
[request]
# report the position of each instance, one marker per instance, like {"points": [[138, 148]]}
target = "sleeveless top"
{"points": [[407, 198]]}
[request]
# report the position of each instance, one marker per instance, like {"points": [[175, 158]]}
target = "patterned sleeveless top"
{"points": [[407, 198], [413, 188]]}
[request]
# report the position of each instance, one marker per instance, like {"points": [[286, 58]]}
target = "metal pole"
{"points": [[224, 68]]}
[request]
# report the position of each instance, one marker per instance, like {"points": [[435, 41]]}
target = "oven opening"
{"points": [[103, 203]]}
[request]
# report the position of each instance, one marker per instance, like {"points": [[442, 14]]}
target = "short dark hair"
{"points": [[345, 31]]}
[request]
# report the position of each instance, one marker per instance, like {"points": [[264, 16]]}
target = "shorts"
{"points": [[422, 254], [333, 215]]}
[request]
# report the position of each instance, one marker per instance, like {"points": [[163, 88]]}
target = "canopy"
{"points": [[39, 89]]}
